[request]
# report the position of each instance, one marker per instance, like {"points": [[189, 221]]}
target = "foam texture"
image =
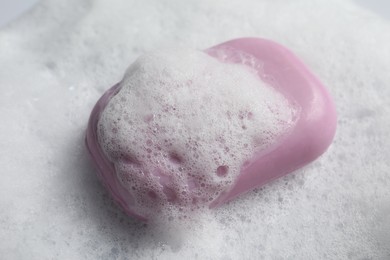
{"points": [[183, 124], [59, 58]]}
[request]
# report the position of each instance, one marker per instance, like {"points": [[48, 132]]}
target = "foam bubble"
{"points": [[182, 125]]}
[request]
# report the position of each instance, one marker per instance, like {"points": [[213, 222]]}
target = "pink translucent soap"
{"points": [[169, 177]]}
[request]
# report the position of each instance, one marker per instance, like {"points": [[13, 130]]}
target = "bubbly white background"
{"points": [[59, 58]]}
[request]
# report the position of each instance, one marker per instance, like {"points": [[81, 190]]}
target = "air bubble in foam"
{"points": [[195, 121], [222, 170]]}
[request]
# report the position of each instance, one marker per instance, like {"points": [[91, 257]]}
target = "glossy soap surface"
{"points": [[301, 144], [314, 130]]}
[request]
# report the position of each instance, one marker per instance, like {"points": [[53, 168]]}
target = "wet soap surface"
{"points": [[59, 59], [185, 130], [180, 127]]}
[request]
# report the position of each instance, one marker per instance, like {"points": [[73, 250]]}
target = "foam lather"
{"points": [[187, 129]]}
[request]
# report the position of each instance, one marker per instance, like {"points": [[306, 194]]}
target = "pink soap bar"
{"points": [[309, 138], [314, 130]]}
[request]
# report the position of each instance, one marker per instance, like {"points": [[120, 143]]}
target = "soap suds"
{"points": [[183, 124], [61, 57]]}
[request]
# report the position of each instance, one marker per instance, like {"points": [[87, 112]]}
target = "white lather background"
{"points": [[58, 59]]}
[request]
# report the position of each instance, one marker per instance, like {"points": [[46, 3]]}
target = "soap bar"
{"points": [[186, 130], [314, 130]]}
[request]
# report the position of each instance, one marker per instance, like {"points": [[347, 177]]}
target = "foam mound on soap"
{"points": [[182, 126]]}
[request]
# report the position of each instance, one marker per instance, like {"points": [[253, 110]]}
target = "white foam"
{"points": [[60, 58], [183, 124]]}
